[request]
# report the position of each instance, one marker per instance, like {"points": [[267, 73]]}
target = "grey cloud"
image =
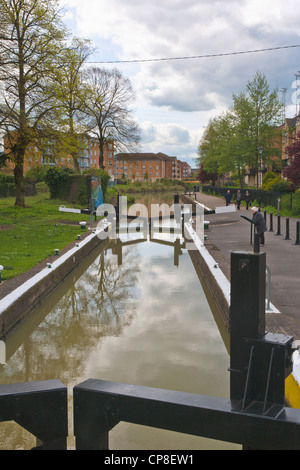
{"points": [[148, 133]]}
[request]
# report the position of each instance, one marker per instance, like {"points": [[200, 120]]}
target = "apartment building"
{"points": [[291, 129], [186, 170], [51, 153], [146, 166], [129, 166]]}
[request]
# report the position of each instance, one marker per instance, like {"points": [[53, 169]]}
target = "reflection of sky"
{"points": [[173, 341], [149, 324]]}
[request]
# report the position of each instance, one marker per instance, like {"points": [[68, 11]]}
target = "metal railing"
{"points": [[255, 416]]}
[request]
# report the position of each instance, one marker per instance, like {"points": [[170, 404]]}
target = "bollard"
{"points": [[256, 242], [298, 234], [287, 229], [278, 225], [271, 222]]}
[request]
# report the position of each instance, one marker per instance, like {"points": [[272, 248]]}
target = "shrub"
{"points": [[268, 181], [59, 181], [280, 185], [7, 185]]}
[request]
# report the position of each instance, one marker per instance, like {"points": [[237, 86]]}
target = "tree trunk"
{"points": [[101, 158], [76, 163], [19, 184]]}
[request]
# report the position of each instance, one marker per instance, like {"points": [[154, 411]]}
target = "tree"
{"points": [[205, 177], [258, 112], [292, 171], [110, 119], [71, 98], [30, 42], [232, 141], [211, 146]]}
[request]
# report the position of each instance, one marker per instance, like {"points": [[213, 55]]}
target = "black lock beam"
{"points": [[259, 361], [40, 408], [255, 415]]}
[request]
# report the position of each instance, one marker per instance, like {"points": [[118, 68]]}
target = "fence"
{"points": [[263, 198]]}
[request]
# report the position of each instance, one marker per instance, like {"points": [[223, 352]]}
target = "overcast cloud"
{"points": [[176, 99]]}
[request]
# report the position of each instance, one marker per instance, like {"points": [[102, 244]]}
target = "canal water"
{"points": [[134, 312]]}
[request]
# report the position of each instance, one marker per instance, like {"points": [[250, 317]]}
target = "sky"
{"points": [[175, 99]]}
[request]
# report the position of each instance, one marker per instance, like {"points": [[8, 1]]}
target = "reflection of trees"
{"points": [[101, 303]]}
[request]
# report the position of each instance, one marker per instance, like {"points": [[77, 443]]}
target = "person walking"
{"points": [[260, 224], [247, 199], [228, 197], [238, 198]]}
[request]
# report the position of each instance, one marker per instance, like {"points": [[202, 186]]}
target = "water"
{"points": [[145, 321]]}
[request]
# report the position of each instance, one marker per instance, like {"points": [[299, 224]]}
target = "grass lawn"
{"points": [[31, 234]]}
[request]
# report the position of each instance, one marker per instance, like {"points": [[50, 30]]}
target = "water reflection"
{"points": [[134, 316]]}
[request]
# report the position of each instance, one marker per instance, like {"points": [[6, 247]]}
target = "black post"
{"points": [[298, 234], [117, 208], [278, 225], [287, 229], [256, 242], [259, 361], [271, 222], [247, 313]]}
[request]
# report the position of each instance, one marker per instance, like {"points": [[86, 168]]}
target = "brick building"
{"points": [[186, 170], [291, 129], [149, 166], [131, 166]]}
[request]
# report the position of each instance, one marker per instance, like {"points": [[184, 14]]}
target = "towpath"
{"points": [[230, 232]]}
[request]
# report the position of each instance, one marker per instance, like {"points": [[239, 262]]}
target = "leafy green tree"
{"points": [[259, 112], [31, 40], [71, 97], [211, 147], [232, 141]]}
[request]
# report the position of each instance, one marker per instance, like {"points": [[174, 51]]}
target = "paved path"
{"points": [[229, 232]]}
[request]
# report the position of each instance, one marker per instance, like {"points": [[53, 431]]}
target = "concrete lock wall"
{"points": [[15, 307]]}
